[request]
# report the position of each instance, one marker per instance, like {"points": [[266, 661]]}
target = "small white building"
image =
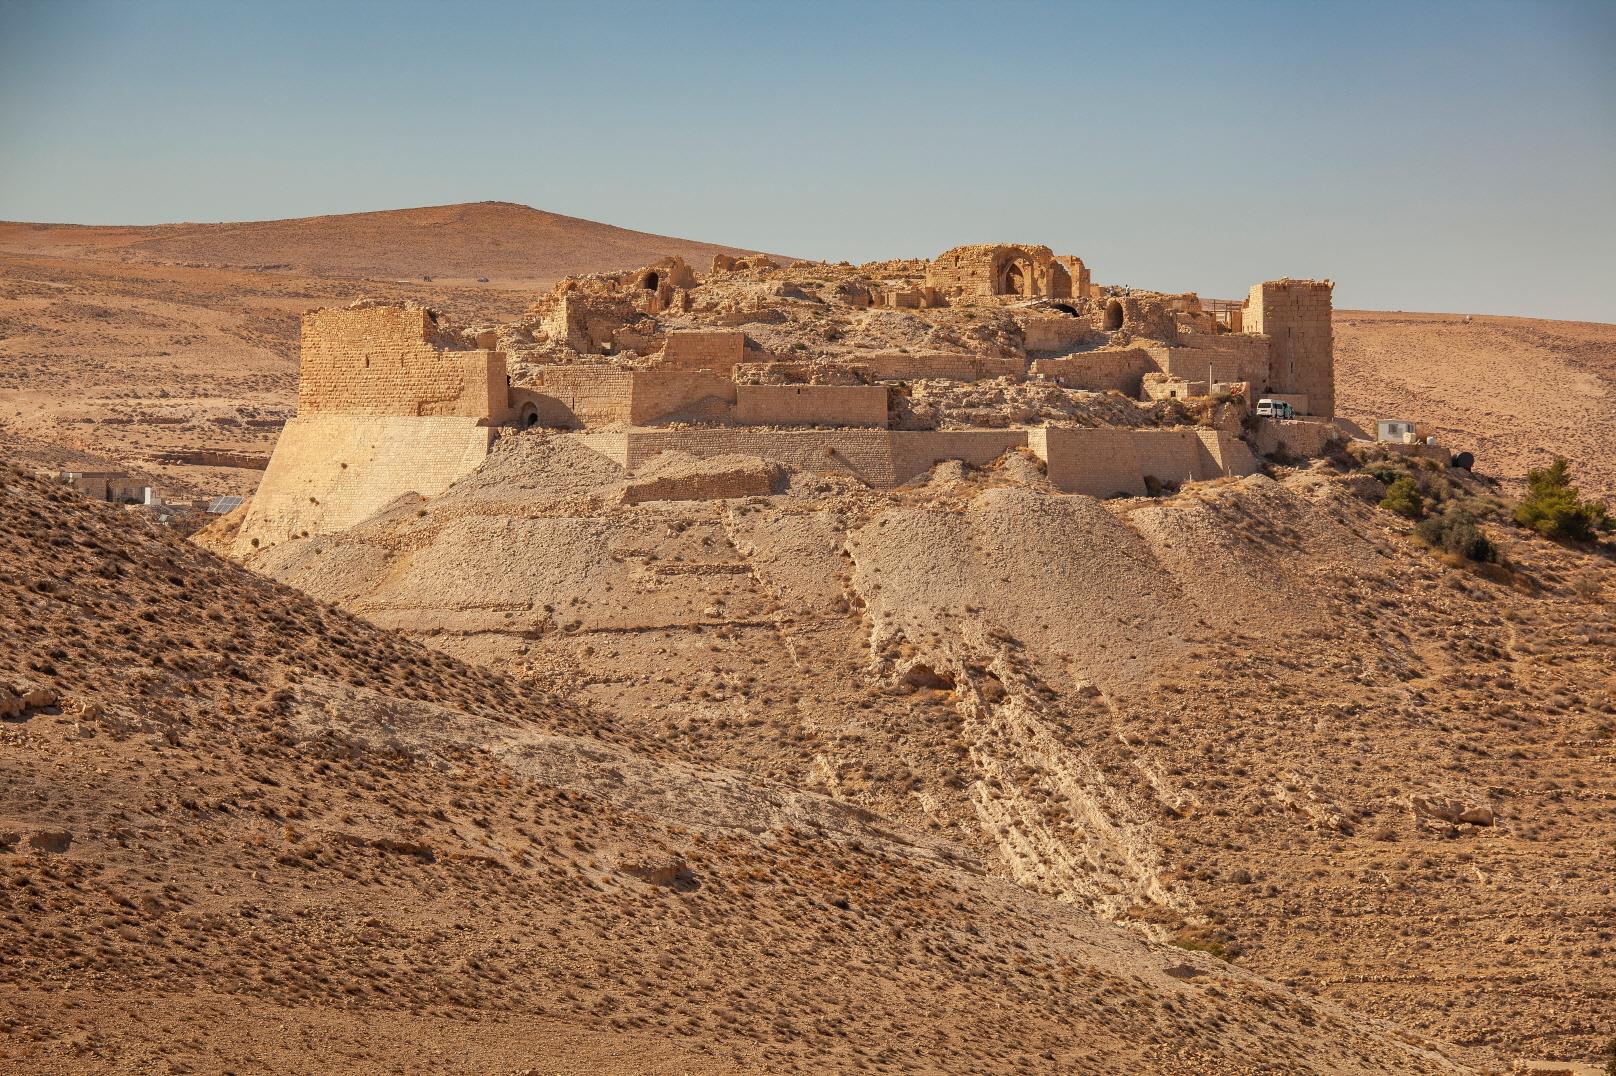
{"points": [[1396, 430]]}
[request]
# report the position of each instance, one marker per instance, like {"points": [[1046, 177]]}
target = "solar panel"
{"points": [[220, 505]]}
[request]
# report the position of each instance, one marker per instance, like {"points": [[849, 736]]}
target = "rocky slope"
{"points": [[1255, 718], [243, 831]]}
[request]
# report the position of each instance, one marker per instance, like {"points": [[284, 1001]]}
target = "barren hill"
{"points": [[1515, 391], [242, 831], [501, 241], [1255, 717]]}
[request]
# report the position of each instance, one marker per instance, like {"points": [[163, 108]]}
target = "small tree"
{"points": [[1403, 497], [1553, 506]]}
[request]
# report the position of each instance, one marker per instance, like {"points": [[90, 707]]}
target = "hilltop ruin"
{"points": [[877, 371]]}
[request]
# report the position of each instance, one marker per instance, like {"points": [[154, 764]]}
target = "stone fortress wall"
{"points": [[395, 360], [392, 401]]}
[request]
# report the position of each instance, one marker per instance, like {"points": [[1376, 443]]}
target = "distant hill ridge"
{"points": [[502, 241]]}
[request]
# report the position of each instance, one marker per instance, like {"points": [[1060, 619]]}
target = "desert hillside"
{"points": [[1256, 718], [239, 828], [1515, 391], [499, 241]]}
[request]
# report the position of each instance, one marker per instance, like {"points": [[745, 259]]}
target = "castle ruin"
{"points": [[868, 371]]}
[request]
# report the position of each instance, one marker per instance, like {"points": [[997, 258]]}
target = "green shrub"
{"points": [[1553, 506], [1403, 497], [1454, 530], [1385, 470]]}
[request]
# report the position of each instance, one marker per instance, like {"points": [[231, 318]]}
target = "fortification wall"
{"points": [[583, 395], [716, 351], [1099, 462], [385, 360], [942, 365], [1295, 315], [684, 395], [1296, 437], [715, 480], [880, 458], [1055, 335], [1105, 462], [914, 452], [811, 405], [332, 471], [864, 454], [1098, 371], [1246, 362], [574, 396]]}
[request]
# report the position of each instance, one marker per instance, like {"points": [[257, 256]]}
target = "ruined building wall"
{"points": [[1082, 283], [391, 360], [944, 365], [811, 405], [1295, 315], [718, 351], [1000, 269], [1098, 371], [600, 395], [1103, 462]]}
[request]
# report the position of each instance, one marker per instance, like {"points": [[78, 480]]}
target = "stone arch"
{"points": [[1113, 316], [1015, 277], [652, 281], [529, 417], [1066, 308]]}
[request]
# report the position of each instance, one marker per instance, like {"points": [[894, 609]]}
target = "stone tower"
{"points": [[1295, 314]]}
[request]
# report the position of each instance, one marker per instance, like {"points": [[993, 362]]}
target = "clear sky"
{"points": [[1425, 156]]}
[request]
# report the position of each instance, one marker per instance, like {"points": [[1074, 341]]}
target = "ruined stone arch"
{"points": [[529, 417], [652, 281], [1113, 316], [1015, 277]]}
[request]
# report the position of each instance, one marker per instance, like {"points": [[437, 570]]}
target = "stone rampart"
{"points": [[942, 365], [697, 350], [811, 405], [389, 360], [330, 471], [1295, 437], [1099, 462], [1105, 462], [1097, 371]]}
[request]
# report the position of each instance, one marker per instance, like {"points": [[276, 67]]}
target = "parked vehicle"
{"points": [[1267, 408]]}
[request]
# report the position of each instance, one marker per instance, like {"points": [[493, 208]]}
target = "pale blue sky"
{"points": [[1426, 156]]}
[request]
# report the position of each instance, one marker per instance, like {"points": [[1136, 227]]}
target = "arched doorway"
{"points": [[651, 282], [1015, 281], [1113, 316], [530, 417]]}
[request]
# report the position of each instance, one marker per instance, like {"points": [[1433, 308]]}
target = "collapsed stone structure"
{"points": [[873, 371]]}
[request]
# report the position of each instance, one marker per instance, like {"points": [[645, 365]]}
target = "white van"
{"points": [[1267, 408]]}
